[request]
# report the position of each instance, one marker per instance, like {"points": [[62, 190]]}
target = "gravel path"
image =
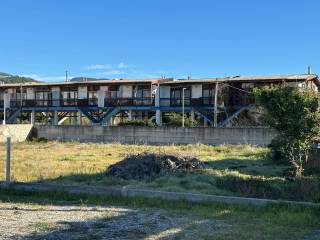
{"points": [[28, 221]]}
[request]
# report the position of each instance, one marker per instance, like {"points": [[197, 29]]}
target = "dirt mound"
{"points": [[152, 164]]}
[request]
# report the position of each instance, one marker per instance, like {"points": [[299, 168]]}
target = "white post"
{"points": [[8, 146]]}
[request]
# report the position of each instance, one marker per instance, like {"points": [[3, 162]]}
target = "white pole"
{"points": [[8, 146]]}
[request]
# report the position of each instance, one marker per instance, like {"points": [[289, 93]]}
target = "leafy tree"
{"points": [[295, 114]]}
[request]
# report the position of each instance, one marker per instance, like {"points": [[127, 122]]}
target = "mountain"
{"points": [[85, 79], [9, 78]]}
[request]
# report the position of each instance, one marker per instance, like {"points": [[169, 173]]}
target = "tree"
{"points": [[295, 114]]}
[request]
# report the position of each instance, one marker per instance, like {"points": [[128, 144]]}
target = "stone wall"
{"points": [[158, 135]]}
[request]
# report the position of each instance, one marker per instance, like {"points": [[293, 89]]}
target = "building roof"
{"points": [[76, 83], [270, 78]]}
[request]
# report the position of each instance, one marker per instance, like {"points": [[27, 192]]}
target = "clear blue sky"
{"points": [[149, 38]]}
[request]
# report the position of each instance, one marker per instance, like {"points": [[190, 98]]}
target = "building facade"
{"points": [[214, 100]]}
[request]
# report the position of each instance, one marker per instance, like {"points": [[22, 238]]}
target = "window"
{"points": [[207, 94], [176, 95]]}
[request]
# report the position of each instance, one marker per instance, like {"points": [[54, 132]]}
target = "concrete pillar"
{"points": [[79, 118], [33, 117], [158, 118], [74, 118], [205, 122], [110, 123], [130, 115], [192, 115], [55, 117]]}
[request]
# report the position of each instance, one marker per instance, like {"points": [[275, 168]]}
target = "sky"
{"points": [[153, 38]]}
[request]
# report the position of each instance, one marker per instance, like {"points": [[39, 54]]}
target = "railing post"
{"points": [[8, 148]]}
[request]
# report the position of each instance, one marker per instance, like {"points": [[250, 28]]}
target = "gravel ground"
{"points": [[29, 221]]}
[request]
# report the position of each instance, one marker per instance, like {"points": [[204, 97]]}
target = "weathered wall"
{"points": [[159, 135], [17, 132]]}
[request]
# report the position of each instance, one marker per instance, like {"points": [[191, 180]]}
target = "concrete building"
{"points": [[104, 102]]}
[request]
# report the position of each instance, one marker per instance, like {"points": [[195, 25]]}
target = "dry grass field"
{"points": [[34, 161], [229, 170]]}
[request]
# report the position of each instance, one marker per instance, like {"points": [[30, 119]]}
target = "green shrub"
{"points": [[137, 122], [299, 189], [295, 114], [175, 119]]}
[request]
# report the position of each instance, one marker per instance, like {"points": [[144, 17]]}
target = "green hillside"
{"points": [[8, 78]]}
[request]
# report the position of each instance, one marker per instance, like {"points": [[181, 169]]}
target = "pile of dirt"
{"points": [[153, 164]]}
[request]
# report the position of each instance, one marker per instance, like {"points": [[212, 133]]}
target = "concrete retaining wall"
{"points": [[159, 135], [144, 193]]}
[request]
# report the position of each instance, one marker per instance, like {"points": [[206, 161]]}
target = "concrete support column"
{"points": [[79, 118], [33, 117], [74, 118], [55, 117], [205, 122], [158, 118], [192, 115], [130, 115]]}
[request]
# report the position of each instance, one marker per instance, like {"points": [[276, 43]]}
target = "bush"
{"points": [[175, 119], [137, 122], [295, 114], [300, 189]]}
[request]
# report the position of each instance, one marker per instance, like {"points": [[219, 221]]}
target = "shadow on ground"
{"points": [[56, 222]]}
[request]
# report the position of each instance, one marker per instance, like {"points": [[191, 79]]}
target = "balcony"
{"points": [[173, 102], [147, 101]]}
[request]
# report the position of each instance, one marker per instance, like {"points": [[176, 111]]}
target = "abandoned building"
{"points": [[213, 101]]}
